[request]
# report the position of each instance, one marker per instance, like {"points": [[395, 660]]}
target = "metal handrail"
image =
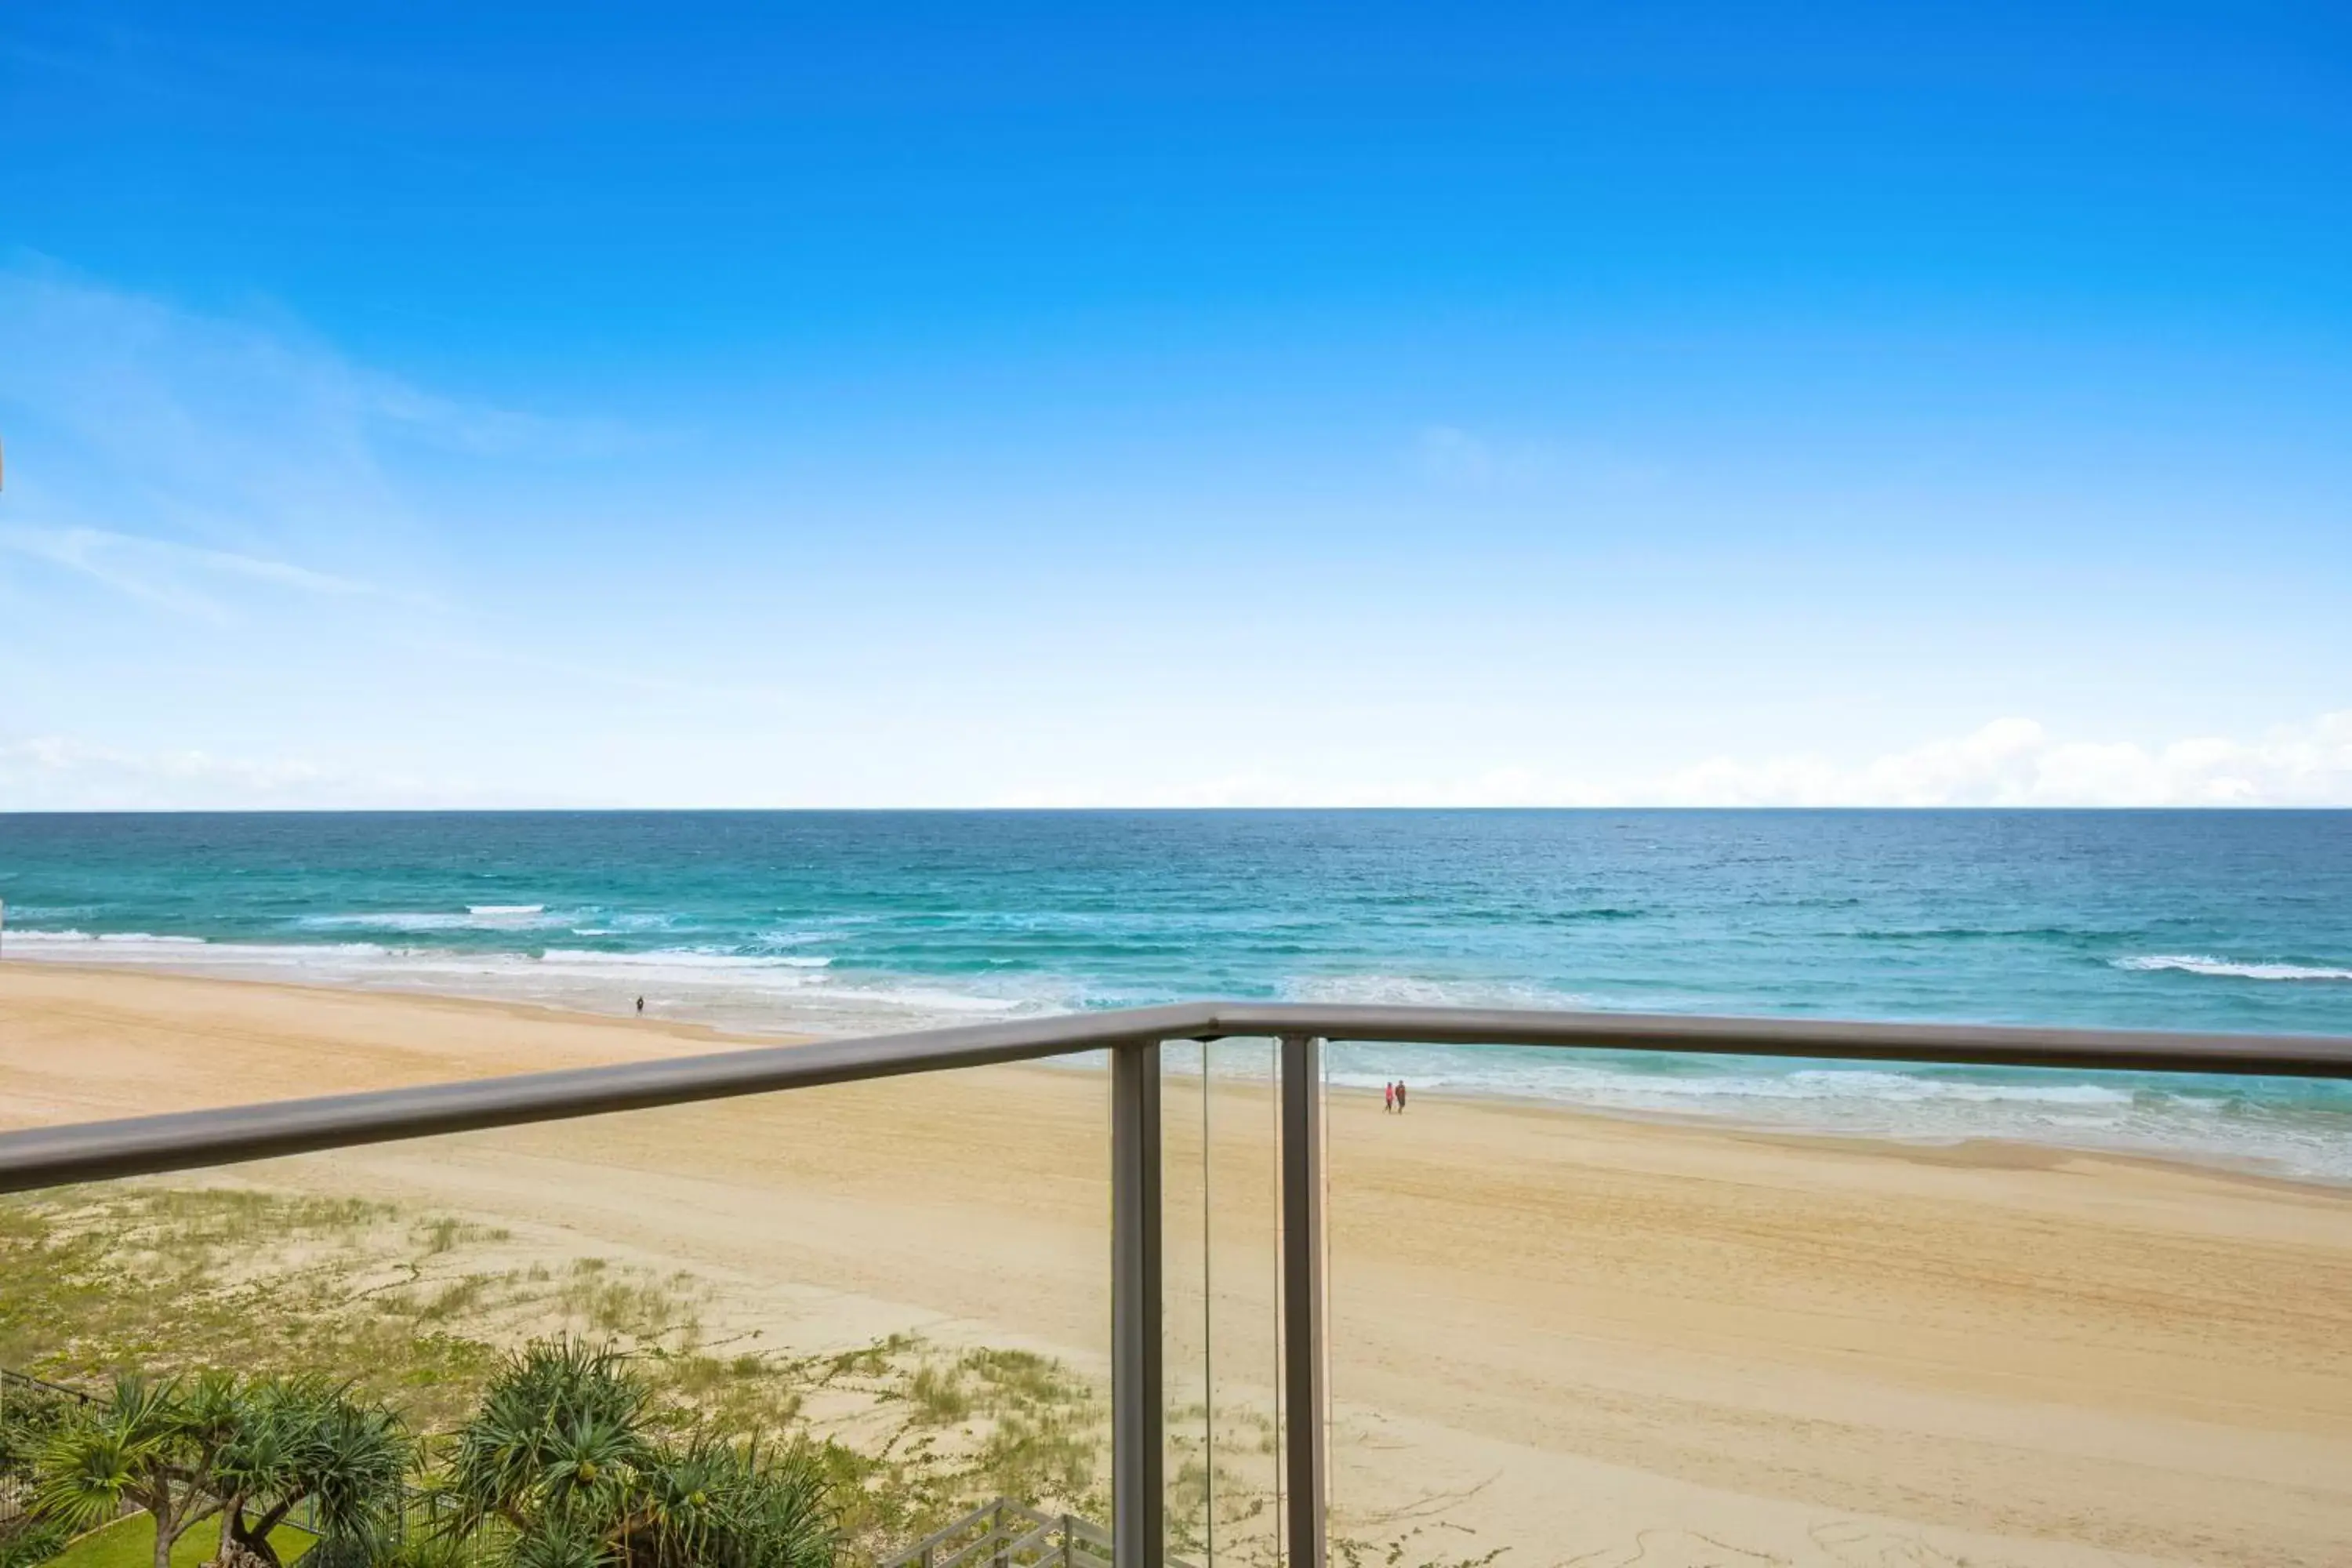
{"points": [[52, 1156]]}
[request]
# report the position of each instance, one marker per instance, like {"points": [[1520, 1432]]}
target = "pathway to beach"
{"points": [[1585, 1340]]}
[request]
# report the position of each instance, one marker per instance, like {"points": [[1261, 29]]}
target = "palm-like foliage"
{"points": [[184, 1450], [563, 1452], [305, 1440], [89, 1469], [139, 1450], [723, 1504], [558, 1422]]}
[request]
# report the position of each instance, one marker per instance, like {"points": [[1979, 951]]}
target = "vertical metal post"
{"points": [[1139, 1498], [1304, 1468]]}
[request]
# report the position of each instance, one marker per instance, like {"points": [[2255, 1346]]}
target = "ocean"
{"points": [[856, 923]]}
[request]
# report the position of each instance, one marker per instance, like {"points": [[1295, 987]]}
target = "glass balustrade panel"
{"points": [[1223, 1181], [1558, 1335], [885, 1303]]}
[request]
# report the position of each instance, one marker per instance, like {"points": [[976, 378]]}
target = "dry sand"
{"points": [[1589, 1341]]}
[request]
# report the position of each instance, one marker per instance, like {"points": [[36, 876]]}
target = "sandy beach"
{"points": [[1580, 1339]]}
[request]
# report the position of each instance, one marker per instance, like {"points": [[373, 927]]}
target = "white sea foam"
{"points": [[185, 951], [482, 917], [2202, 964], [1935, 1106], [756, 990], [924, 999], [83, 938], [804, 992], [1410, 991], [681, 958]]}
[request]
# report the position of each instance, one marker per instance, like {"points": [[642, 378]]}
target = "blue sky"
{"points": [[440, 405]]}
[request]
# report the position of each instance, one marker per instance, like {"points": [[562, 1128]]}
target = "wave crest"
{"points": [[681, 958], [2204, 963]]}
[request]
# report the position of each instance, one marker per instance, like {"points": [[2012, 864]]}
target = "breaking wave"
{"points": [[2198, 963]]}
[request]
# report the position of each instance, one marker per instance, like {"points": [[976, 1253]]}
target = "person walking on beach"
{"points": [[641, 1006], [1388, 1097], [1399, 1094]]}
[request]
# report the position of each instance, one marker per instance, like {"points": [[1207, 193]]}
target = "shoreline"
{"points": [[1961, 1149]]}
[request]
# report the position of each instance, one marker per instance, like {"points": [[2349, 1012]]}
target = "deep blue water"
{"points": [[864, 920]]}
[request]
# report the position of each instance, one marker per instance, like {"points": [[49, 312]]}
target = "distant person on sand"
{"points": [[641, 1003], [1388, 1097], [1400, 1097]]}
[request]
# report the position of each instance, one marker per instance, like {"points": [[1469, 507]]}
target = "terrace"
{"points": [[1240, 1405]]}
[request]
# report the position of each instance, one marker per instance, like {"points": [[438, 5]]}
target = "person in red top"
{"points": [[1388, 1097]]}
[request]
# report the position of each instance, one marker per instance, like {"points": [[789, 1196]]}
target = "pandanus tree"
{"points": [[149, 1446], [187, 1450], [307, 1441], [567, 1453]]}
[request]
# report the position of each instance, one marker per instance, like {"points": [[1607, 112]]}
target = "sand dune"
{"points": [[1584, 1340]]}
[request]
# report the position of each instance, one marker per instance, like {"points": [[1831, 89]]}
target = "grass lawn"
{"points": [[131, 1543]]}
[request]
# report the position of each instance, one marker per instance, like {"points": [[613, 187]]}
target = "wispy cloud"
{"points": [[496, 432], [159, 572], [1449, 454], [1452, 457], [244, 433]]}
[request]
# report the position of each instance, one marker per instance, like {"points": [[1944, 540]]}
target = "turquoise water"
{"points": [[854, 921]]}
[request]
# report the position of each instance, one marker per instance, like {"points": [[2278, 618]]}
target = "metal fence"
{"points": [[25, 1384], [19, 1395], [1007, 1534], [53, 1156], [26, 1400]]}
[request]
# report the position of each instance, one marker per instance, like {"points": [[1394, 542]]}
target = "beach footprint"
{"points": [[1674, 1549], [1851, 1543]]}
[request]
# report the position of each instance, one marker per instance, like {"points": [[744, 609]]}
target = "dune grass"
{"points": [[416, 1309]]}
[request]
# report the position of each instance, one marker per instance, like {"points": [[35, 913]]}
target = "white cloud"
{"points": [[64, 773], [2007, 762], [2015, 762], [59, 773]]}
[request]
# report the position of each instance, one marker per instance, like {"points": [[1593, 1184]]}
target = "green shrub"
{"points": [[31, 1541], [566, 1452]]}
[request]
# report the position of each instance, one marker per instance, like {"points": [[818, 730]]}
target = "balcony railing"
{"points": [[50, 1157]]}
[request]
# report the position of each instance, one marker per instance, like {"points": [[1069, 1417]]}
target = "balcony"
{"points": [[1164, 1286]]}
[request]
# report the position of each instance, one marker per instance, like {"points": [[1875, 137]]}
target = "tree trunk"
{"points": [[252, 1538], [170, 1526]]}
